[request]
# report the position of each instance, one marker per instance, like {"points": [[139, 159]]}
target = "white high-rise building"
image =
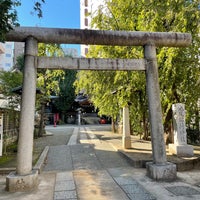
{"points": [[87, 9], [9, 51], [6, 57]]}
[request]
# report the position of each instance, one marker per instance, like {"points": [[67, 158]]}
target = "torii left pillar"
{"points": [[25, 178]]}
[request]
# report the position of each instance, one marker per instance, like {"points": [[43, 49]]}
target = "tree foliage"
{"points": [[38, 7], [8, 15], [48, 80], [66, 91], [8, 81], [178, 67]]}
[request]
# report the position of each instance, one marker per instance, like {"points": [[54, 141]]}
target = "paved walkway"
{"points": [[85, 165], [91, 169]]}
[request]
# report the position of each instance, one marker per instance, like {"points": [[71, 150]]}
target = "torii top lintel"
{"points": [[99, 37]]}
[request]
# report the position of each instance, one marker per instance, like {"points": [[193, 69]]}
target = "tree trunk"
{"points": [[145, 128], [170, 134], [113, 126], [168, 127], [197, 120], [41, 125]]}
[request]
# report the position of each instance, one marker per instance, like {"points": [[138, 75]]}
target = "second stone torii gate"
{"points": [[25, 178]]}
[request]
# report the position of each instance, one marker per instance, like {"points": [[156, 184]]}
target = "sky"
{"points": [[56, 14]]}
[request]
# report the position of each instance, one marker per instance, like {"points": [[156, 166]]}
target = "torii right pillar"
{"points": [[159, 169]]}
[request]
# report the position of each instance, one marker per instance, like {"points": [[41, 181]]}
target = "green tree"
{"points": [[8, 15], [98, 86], [178, 67], [8, 81], [66, 92], [48, 80], [19, 63]]}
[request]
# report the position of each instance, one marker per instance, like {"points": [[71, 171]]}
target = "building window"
{"points": [[86, 51], [86, 3], [86, 22], [8, 65], [86, 12], [8, 46], [8, 55]]}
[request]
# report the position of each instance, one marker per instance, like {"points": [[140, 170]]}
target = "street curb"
{"points": [[188, 165], [42, 160], [38, 166], [7, 170], [181, 166], [134, 162]]}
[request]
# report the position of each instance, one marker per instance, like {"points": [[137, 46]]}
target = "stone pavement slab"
{"points": [[183, 190], [131, 187], [83, 157], [58, 158], [97, 185], [65, 187]]}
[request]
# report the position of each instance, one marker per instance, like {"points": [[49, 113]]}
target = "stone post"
{"points": [[79, 117], [24, 178], [126, 138], [159, 169], [120, 122], [180, 147]]}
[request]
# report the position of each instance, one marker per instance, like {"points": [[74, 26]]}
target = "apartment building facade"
{"points": [[6, 55], [87, 10]]}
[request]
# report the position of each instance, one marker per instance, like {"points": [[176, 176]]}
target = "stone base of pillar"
{"points": [[162, 172], [181, 150], [126, 142], [22, 183]]}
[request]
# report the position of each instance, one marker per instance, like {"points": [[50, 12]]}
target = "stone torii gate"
{"points": [[25, 177]]}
